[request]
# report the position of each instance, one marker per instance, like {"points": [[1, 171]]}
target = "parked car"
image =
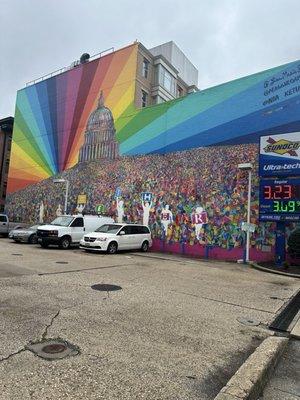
{"points": [[67, 230], [114, 237], [7, 226], [4, 224], [25, 235], [12, 231]]}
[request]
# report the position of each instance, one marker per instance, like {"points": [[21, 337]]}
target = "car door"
{"points": [[136, 232], [126, 241], [77, 229]]}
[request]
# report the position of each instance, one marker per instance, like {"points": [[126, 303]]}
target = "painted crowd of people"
{"points": [[194, 196]]}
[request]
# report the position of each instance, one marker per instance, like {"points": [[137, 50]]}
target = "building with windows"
{"points": [[163, 73], [6, 128]]}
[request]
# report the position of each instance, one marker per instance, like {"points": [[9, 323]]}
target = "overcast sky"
{"points": [[225, 39]]}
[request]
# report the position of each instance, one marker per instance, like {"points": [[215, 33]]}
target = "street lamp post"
{"points": [[247, 167], [67, 191]]}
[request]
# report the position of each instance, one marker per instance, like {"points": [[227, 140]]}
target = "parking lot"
{"points": [[176, 328]]}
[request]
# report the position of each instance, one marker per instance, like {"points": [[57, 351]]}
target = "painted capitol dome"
{"points": [[99, 137]]}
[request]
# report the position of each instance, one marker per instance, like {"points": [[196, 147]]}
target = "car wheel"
{"points": [[145, 246], [65, 243], [112, 248], [32, 239], [44, 245]]}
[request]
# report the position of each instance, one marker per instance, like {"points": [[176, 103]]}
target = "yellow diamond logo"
{"points": [[282, 147]]}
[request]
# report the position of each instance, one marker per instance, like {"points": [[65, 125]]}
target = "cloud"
{"points": [[224, 39]]}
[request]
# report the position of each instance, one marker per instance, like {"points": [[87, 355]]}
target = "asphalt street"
{"points": [[177, 329]]}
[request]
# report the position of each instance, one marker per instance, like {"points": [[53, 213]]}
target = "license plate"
{"points": [[87, 244]]}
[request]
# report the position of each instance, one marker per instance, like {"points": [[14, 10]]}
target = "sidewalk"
{"points": [[285, 383]]}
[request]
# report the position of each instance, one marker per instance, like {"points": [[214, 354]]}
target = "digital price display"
{"points": [[279, 200]]}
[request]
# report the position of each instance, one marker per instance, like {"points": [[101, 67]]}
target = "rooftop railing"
{"points": [[73, 65]]}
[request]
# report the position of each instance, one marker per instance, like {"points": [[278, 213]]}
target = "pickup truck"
{"points": [[6, 226]]}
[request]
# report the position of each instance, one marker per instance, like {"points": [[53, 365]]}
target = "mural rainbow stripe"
{"points": [[51, 116], [236, 112]]}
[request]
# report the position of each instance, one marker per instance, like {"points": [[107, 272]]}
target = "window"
{"points": [[109, 228], [166, 80], [145, 229], [140, 229], [77, 223], [3, 218], [134, 230], [127, 229], [62, 221], [145, 71], [144, 98]]}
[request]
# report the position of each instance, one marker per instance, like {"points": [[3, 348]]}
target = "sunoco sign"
{"points": [[280, 155]]}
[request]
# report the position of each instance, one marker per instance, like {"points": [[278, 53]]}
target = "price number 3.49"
{"points": [[281, 206]]}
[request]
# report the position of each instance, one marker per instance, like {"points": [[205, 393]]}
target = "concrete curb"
{"points": [[271, 271], [295, 333], [249, 380]]}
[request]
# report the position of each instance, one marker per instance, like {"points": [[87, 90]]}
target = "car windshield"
{"points": [[62, 221], [109, 228]]}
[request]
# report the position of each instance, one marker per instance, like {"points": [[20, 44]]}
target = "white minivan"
{"points": [[67, 230], [114, 237]]}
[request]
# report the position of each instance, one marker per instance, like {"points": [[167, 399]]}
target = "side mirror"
{"points": [[122, 233]]}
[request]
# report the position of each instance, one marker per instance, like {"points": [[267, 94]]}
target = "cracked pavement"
{"points": [[172, 332]]}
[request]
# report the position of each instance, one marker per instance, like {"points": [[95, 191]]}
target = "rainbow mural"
{"points": [[183, 153], [50, 116], [236, 112]]}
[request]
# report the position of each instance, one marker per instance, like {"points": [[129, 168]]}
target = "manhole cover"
{"points": [[104, 287], [248, 321], [62, 262], [53, 349]]}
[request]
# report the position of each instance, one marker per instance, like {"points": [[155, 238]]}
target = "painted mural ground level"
{"points": [[177, 329]]}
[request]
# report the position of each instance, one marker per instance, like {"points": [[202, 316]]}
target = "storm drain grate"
{"points": [[16, 254], [104, 287], [62, 262], [53, 349], [285, 320]]}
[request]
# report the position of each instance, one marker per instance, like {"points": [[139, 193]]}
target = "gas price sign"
{"points": [[279, 200]]}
